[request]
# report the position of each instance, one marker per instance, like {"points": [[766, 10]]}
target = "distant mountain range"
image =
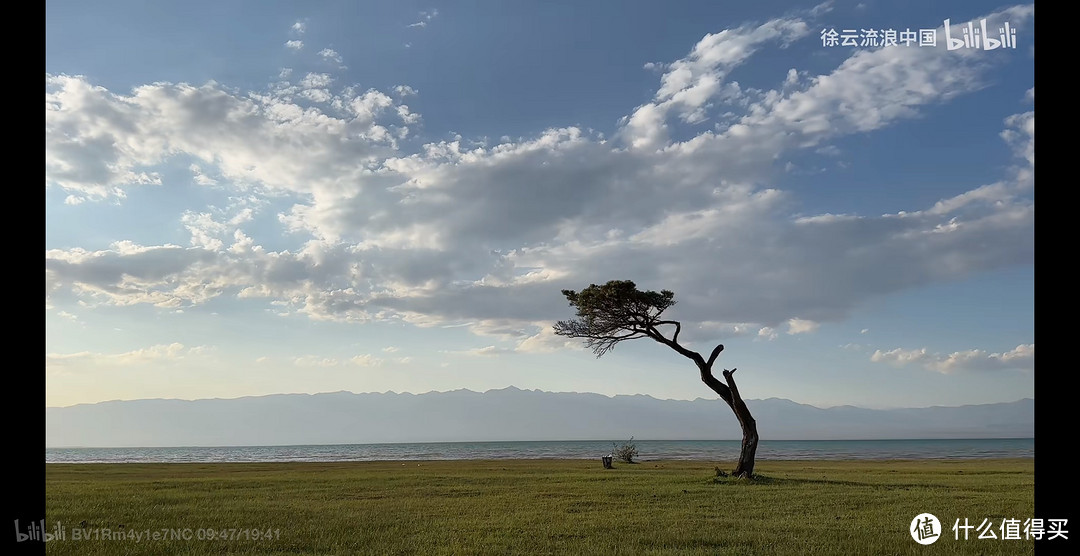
{"points": [[506, 414]]}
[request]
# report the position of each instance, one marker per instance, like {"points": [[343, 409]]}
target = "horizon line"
{"points": [[515, 388]]}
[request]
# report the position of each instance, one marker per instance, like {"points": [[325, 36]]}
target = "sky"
{"points": [[247, 198]]}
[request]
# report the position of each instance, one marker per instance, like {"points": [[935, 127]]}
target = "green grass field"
{"points": [[543, 506]]}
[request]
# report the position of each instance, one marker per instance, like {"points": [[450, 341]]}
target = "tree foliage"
{"points": [[614, 312]]}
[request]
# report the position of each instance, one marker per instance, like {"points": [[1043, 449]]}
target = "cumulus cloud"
{"points": [[485, 235], [99, 143], [331, 55], [688, 84], [1021, 358], [294, 44]]}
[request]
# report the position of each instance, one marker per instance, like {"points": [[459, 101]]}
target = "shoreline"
{"points": [[642, 462], [648, 450]]}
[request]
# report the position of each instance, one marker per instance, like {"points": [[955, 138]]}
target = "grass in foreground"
{"points": [[538, 506]]}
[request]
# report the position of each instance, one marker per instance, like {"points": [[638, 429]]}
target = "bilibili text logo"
{"points": [[35, 531]]}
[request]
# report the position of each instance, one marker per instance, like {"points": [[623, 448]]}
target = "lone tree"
{"points": [[618, 311]]}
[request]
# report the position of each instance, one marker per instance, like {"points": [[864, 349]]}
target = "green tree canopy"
{"points": [[614, 312]]}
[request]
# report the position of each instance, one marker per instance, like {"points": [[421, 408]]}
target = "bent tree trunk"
{"points": [[748, 451], [730, 394]]}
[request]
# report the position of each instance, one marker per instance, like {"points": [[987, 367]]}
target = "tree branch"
{"points": [[715, 353], [692, 355], [715, 385], [678, 328]]}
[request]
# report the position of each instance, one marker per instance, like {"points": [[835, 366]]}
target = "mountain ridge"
{"points": [[498, 415]]}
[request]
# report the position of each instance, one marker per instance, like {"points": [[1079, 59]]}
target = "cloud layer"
{"points": [[460, 232]]}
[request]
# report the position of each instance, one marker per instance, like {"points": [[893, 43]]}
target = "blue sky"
{"points": [[246, 198]]}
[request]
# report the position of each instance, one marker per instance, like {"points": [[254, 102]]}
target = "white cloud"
{"points": [[424, 19], [331, 55], [1020, 133], [366, 360], [901, 357], [98, 143], [316, 81], [545, 341], [317, 95], [315, 361], [1022, 358], [69, 316], [299, 27], [690, 83], [487, 351], [156, 353], [767, 332], [294, 44], [199, 177], [801, 326]]}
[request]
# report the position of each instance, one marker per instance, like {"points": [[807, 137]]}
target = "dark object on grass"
{"points": [[617, 311], [607, 461]]}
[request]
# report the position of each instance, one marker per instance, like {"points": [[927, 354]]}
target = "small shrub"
{"points": [[625, 453]]}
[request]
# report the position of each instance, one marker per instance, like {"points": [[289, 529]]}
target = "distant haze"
{"points": [[506, 414]]}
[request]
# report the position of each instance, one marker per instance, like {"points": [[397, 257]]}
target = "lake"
{"points": [[709, 450]]}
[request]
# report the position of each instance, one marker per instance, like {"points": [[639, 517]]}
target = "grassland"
{"points": [[545, 507]]}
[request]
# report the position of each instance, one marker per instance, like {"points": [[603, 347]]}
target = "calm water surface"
{"points": [[707, 450]]}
